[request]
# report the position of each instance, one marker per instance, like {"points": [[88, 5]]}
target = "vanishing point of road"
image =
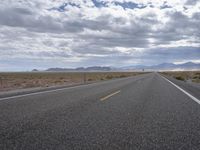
{"points": [[143, 112]]}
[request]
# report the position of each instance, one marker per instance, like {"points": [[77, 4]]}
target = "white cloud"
{"points": [[81, 33]]}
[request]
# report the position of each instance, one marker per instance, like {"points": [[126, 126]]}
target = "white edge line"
{"points": [[55, 90], [188, 94], [48, 91]]}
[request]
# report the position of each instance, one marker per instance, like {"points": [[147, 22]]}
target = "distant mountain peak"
{"points": [[92, 68], [162, 66], [34, 70], [168, 66]]}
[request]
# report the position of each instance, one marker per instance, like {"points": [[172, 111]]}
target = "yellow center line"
{"points": [[110, 95]]}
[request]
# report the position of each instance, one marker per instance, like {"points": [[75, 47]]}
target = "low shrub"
{"points": [[180, 78], [109, 77], [122, 76]]}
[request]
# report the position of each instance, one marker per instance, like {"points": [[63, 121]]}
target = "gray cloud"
{"points": [[24, 18], [81, 33], [179, 27], [191, 2]]}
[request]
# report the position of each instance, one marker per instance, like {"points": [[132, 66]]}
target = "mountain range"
{"points": [[93, 68], [166, 66], [159, 67]]}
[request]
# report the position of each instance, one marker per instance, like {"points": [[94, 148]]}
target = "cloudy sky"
{"points": [[73, 33]]}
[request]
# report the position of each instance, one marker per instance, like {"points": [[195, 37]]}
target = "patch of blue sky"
{"points": [[63, 6], [129, 5], [99, 3], [124, 5]]}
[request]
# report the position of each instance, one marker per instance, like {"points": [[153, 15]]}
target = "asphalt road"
{"points": [[143, 112]]}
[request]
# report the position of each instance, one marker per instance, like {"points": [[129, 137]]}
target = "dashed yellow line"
{"points": [[110, 95]]}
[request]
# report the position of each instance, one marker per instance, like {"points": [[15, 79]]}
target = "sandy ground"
{"points": [[29, 80], [192, 77]]}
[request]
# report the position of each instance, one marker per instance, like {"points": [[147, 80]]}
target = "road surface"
{"points": [[143, 112]]}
